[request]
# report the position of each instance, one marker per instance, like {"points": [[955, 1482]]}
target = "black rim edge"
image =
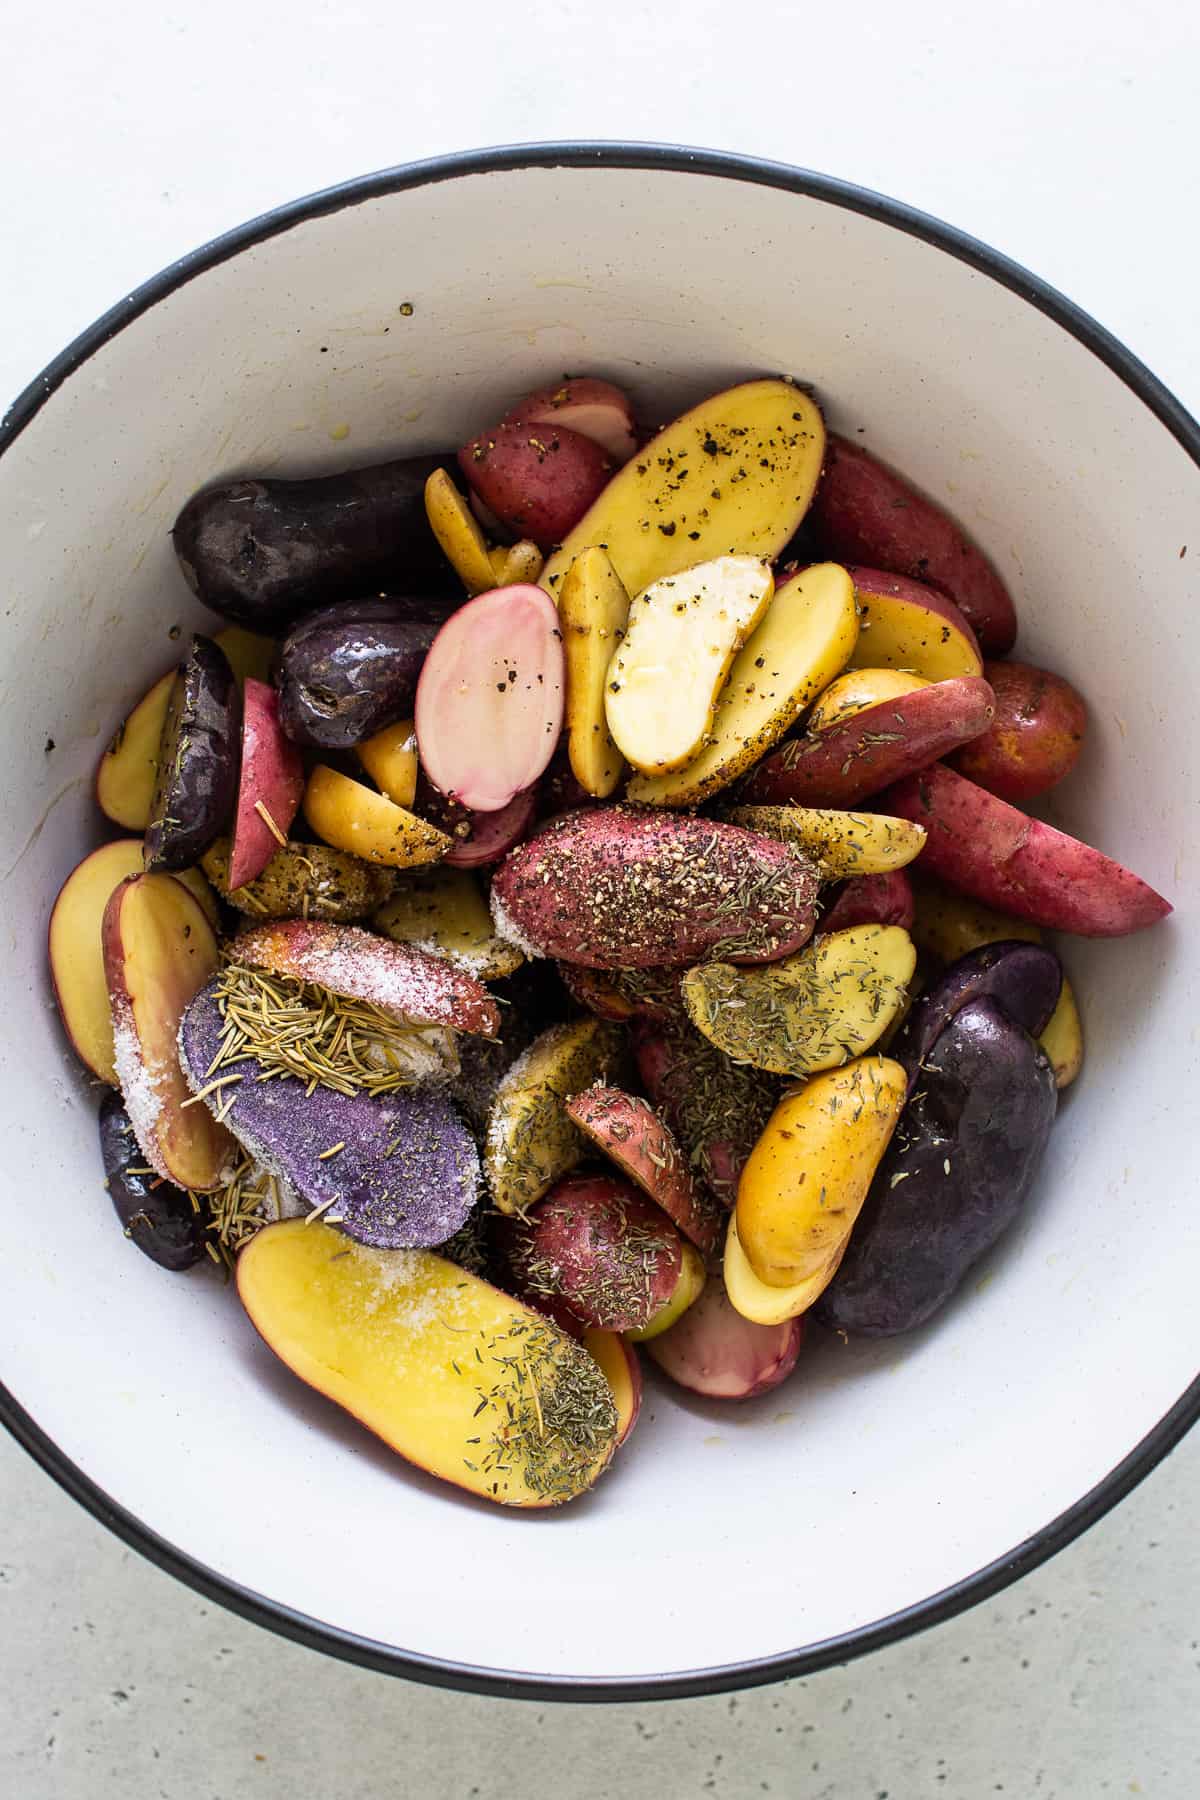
{"points": [[1121, 1480]]}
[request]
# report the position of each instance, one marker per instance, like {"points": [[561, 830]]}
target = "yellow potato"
{"points": [[839, 843], [248, 653], [594, 608], [856, 690], [390, 759], [355, 818], [457, 530], [457, 1377], [830, 1001], [767, 1305], [736, 474], [303, 881], [689, 1287], [805, 637], [805, 1181], [682, 635], [443, 911], [1062, 1039], [530, 1140], [514, 563]]}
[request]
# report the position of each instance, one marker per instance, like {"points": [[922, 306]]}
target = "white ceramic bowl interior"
{"points": [[881, 1475]]}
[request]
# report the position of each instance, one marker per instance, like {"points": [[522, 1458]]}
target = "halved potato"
{"points": [[682, 635], [767, 1305], [594, 609], [856, 690], [390, 759], [530, 1139], [128, 770], [841, 844], [456, 529], [516, 563], [806, 636], [353, 817], [443, 912]]}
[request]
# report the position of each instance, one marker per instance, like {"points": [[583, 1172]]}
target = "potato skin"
{"points": [[871, 900], [265, 552], [715, 1107], [1035, 738], [954, 1178], [196, 787], [155, 1215], [539, 480], [1024, 981], [309, 881], [623, 888], [347, 671], [599, 1247]]}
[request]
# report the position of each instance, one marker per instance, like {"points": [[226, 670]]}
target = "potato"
{"points": [[128, 770], [810, 1171], [839, 843], [1035, 738], [665, 674], [905, 625], [354, 818], [390, 759], [347, 671], [622, 994], [456, 529], [735, 474], [265, 552], [270, 784], [593, 609], [477, 839], [870, 900], [539, 480], [165, 1223], [618, 1362], [442, 911], [762, 1303], [77, 957], [621, 888], [595, 409], [865, 513], [805, 638], [489, 707], [845, 764], [858, 689], [715, 1107], [195, 788], [454, 1375], [643, 1146], [250, 656], [308, 881], [988, 849], [531, 1141], [1023, 980], [713, 1351], [1062, 1038], [811, 1011], [955, 1177], [517, 563]]}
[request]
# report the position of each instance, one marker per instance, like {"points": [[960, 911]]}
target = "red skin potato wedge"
{"points": [[712, 1350], [871, 900], [872, 748], [595, 409], [272, 775], [938, 628], [575, 1246], [623, 994], [363, 966], [479, 839], [489, 706], [623, 1372], [632, 1135], [159, 951], [1034, 740], [984, 847], [865, 513], [716, 1108], [539, 480]]}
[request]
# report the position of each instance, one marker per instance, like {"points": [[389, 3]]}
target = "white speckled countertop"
{"points": [[1065, 134]]}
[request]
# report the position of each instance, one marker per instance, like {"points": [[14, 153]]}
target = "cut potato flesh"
{"points": [[390, 759], [352, 817], [682, 636], [531, 1141], [594, 610], [443, 911], [456, 529], [857, 689], [842, 844], [766, 1305], [806, 636]]}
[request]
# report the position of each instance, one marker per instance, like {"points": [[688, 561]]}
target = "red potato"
{"points": [[871, 900], [478, 839], [621, 887], [539, 480], [269, 787], [593, 408], [984, 847], [908, 625], [865, 513], [623, 994], [363, 966], [632, 1135], [597, 1245], [712, 1350], [716, 1108], [850, 762], [489, 706], [1034, 739]]}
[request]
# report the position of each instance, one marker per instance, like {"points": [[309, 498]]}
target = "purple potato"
{"points": [[155, 1215], [1023, 979], [953, 1179], [264, 553], [407, 1173], [199, 759], [347, 671]]}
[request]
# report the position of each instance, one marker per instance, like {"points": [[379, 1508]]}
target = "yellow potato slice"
{"points": [[811, 1011], [455, 1376], [355, 818], [735, 474], [839, 843], [457, 530], [390, 759], [514, 563], [806, 636], [856, 690], [594, 608], [682, 636], [689, 1287], [248, 653], [767, 1305], [1062, 1039], [443, 911], [805, 1181], [530, 1140]]}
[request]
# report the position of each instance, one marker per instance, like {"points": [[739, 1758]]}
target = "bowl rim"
{"points": [[983, 1583]]}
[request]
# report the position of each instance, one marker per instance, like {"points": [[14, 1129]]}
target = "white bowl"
{"points": [[886, 1485]]}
